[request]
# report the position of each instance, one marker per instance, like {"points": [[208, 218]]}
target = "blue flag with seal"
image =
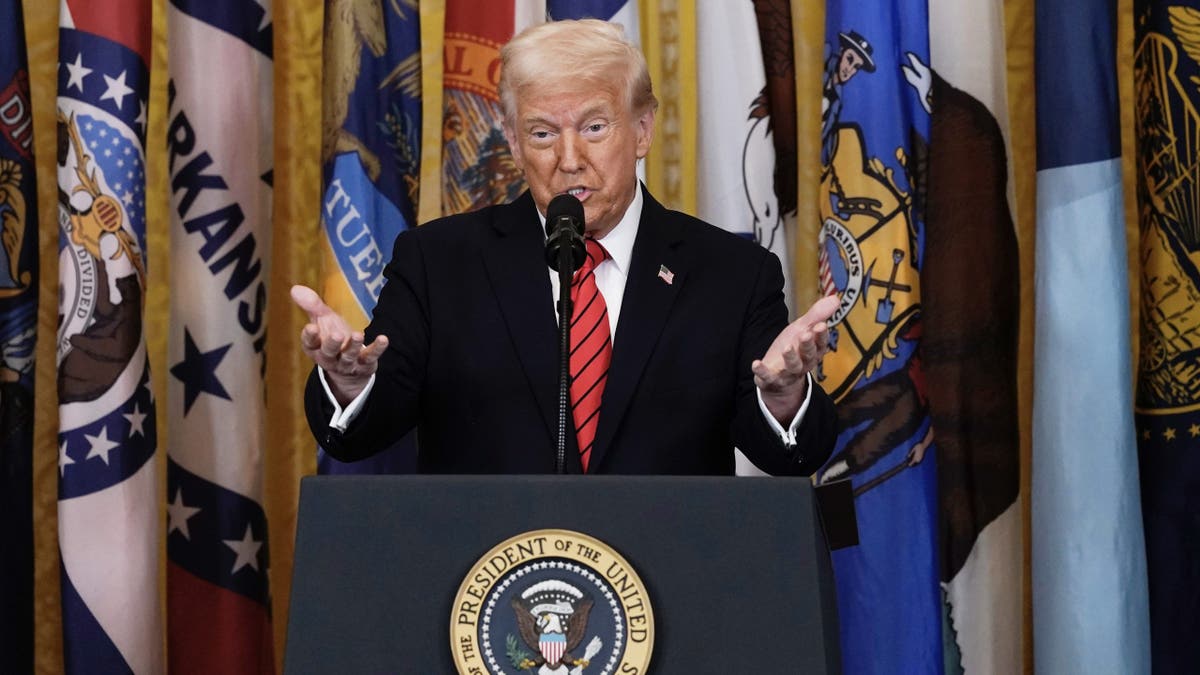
{"points": [[371, 163], [18, 335], [1167, 404], [875, 107]]}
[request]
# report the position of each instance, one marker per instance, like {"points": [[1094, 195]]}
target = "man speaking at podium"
{"points": [[680, 346]]}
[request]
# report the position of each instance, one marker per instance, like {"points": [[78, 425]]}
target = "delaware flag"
{"points": [[477, 167], [970, 308], [18, 335], [108, 486], [875, 114], [371, 159], [1166, 66], [1089, 565], [218, 605]]}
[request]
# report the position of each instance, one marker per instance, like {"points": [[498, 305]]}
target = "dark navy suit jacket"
{"points": [[473, 359]]}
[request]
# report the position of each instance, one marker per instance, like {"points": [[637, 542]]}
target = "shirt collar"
{"points": [[619, 240]]}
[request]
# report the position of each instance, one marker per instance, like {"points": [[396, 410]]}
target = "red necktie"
{"points": [[591, 350]]}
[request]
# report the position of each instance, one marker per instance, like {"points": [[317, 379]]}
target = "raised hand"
{"points": [[781, 373], [336, 348]]}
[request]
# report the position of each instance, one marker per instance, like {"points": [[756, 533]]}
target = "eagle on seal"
{"points": [[554, 631]]}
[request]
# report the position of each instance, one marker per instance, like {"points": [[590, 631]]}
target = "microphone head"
{"points": [[564, 232], [565, 206]]}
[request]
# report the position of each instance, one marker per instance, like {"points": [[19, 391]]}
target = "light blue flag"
{"points": [[1089, 570], [875, 127]]}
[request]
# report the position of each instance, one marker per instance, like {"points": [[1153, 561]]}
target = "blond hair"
{"points": [[571, 54]]}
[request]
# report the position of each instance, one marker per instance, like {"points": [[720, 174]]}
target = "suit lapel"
{"points": [[644, 309], [521, 283]]}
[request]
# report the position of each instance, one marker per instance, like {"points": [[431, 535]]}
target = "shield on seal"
{"points": [[552, 646], [867, 245]]}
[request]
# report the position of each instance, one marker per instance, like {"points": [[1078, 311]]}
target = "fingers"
{"points": [[308, 300], [821, 311], [369, 355], [328, 340]]}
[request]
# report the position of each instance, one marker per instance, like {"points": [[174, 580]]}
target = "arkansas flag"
{"points": [[219, 157], [108, 487]]}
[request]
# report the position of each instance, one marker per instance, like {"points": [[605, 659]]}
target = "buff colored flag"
{"points": [[108, 506]]}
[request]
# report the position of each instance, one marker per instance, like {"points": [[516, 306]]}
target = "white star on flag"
{"points": [[117, 90], [137, 417], [246, 550], [63, 459], [100, 445], [141, 118], [266, 20], [178, 514], [76, 72]]}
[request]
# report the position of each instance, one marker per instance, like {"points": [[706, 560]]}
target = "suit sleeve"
{"points": [[765, 317], [393, 406]]}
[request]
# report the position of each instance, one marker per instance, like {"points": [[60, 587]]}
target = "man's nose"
{"points": [[572, 156]]}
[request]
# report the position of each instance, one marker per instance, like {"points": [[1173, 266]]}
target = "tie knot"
{"points": [[595, 251]]}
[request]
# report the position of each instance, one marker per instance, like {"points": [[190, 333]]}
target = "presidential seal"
{"points": [[552, 602]]}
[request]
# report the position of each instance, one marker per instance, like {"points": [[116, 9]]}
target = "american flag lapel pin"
{"points": [[666, 275]]}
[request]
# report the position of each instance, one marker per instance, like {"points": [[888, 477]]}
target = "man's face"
{"points": [[585, 143], [848, 65]]}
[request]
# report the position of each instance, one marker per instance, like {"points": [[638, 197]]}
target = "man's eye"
{"points": [[541, 134]]}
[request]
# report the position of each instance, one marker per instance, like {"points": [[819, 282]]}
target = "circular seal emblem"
{"points": [[551, 602], [841, 266]]}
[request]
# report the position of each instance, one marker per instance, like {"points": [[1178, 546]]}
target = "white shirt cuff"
{"points": [[343, 418], [788, 436]]}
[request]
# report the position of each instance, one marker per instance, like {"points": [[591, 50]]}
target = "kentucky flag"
{"points": [[1167, 116], [875, 122], [108, 485], [218, 604], [371, 161], [18, 335]]}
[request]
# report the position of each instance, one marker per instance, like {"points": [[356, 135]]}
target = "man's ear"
{"points": [[645, 132], [513, 146]]}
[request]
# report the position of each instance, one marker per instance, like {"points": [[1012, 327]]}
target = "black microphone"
{"points": [[564, 249], [564, 227]]}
